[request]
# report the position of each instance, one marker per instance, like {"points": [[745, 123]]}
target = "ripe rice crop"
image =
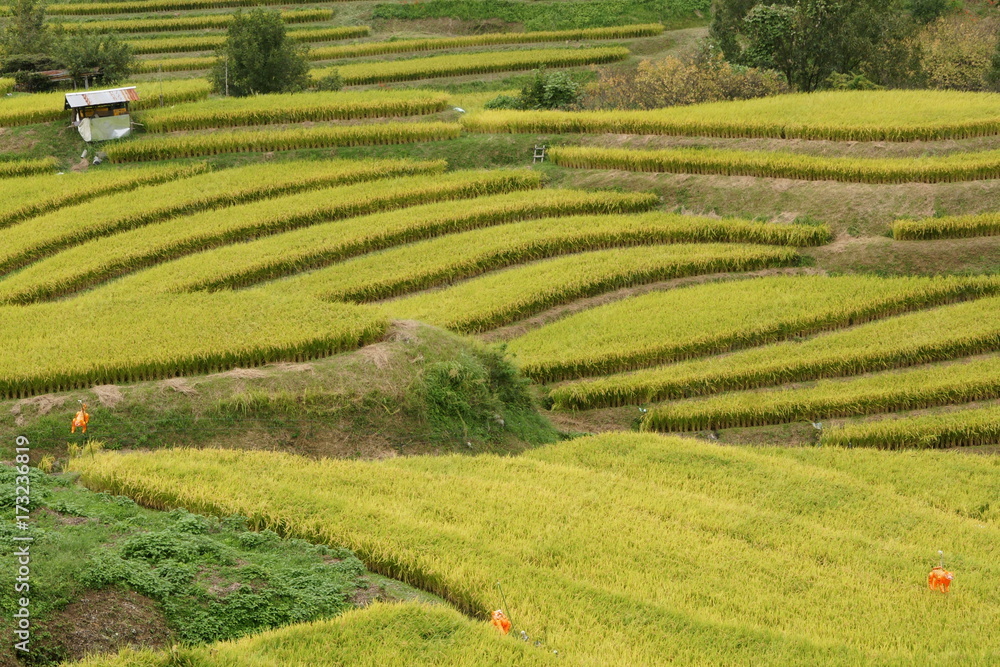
{"points": [[773, 164], [142, 6], [505, 296], [6, 85], [28, 241], [417, 45], [939, 334], [166, 148], [487, 39], [86, 341], [12, 168], [212, 42], [912, 389], [46, 107], [470, 63], [962, 428], [33, 195], [323, 244], [886, 115], [207, 21], [674, 325], [397, 633], [444, 260], [293, 108], [947, 227], [621, 549], [107, 257]]}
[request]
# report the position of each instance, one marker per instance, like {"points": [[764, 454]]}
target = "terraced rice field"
{"points": [[255, 235]]}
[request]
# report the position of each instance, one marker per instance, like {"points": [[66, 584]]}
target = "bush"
{"points": [[504, 102], [838, 81], [83, 53], [673, 82], [958, 53], [330, 82], [549, 90]]}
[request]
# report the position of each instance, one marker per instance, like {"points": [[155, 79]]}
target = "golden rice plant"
{"points": [[621, 549], [378, 189], [211, 42], [206, 21], [774, 164], [46, 107], [912, 389], [506, 296], [938, 334], [30, 196], [682, 323], [321, 245], [457, 257], [962, 428], [292, 108], [486, 39], [86, 341], [947, 227], [166, 148], [12, 168], [470, 63], [23, 243], [6, 85], [142, 6], [886, 115]]}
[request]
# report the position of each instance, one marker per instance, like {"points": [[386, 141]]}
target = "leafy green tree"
{"points": [[808, 40], [83, 54], [24, 32], [259, 58], [549, 90], [993, 74]]}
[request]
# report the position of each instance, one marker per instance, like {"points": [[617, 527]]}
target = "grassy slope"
{"points": [[640, 549]]}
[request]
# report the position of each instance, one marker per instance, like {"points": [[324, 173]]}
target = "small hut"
{"points": [[100, 115]]}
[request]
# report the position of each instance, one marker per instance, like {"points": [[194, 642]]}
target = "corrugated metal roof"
{"points": [[90, 98]]}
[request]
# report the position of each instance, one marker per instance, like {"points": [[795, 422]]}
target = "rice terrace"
{"points": [[515, 332]]}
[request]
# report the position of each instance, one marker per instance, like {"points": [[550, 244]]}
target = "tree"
{"points": [[85, 54], [25, 32], [808, 40], [259, 58]]}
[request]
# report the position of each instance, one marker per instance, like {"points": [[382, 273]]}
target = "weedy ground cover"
{"points": [[377, 189], [242, 141], [938, 334], [28, 241], [505, 296], [774, 164], [678, 324], [890, 115], [600, 527], [323, 244], [912, 389], [292, 108], [961, 428]]}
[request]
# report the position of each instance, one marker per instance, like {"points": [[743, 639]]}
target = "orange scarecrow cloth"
{"points": [[939, 579], [501, 622], [80, 420]]}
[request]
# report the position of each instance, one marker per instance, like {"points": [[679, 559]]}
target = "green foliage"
{"points": [[926, 11], [259, 58], [837, 81], [24, 31], [807, 40], [549, 15], [549, 90], [83, 53], [504, 102], [330, 82]]}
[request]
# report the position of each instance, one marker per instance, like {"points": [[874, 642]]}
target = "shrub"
{"points": [[838, 81], [672, 82], [330, 82], [958, 53], [549, 90], [504, 102], [259, 58]]}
